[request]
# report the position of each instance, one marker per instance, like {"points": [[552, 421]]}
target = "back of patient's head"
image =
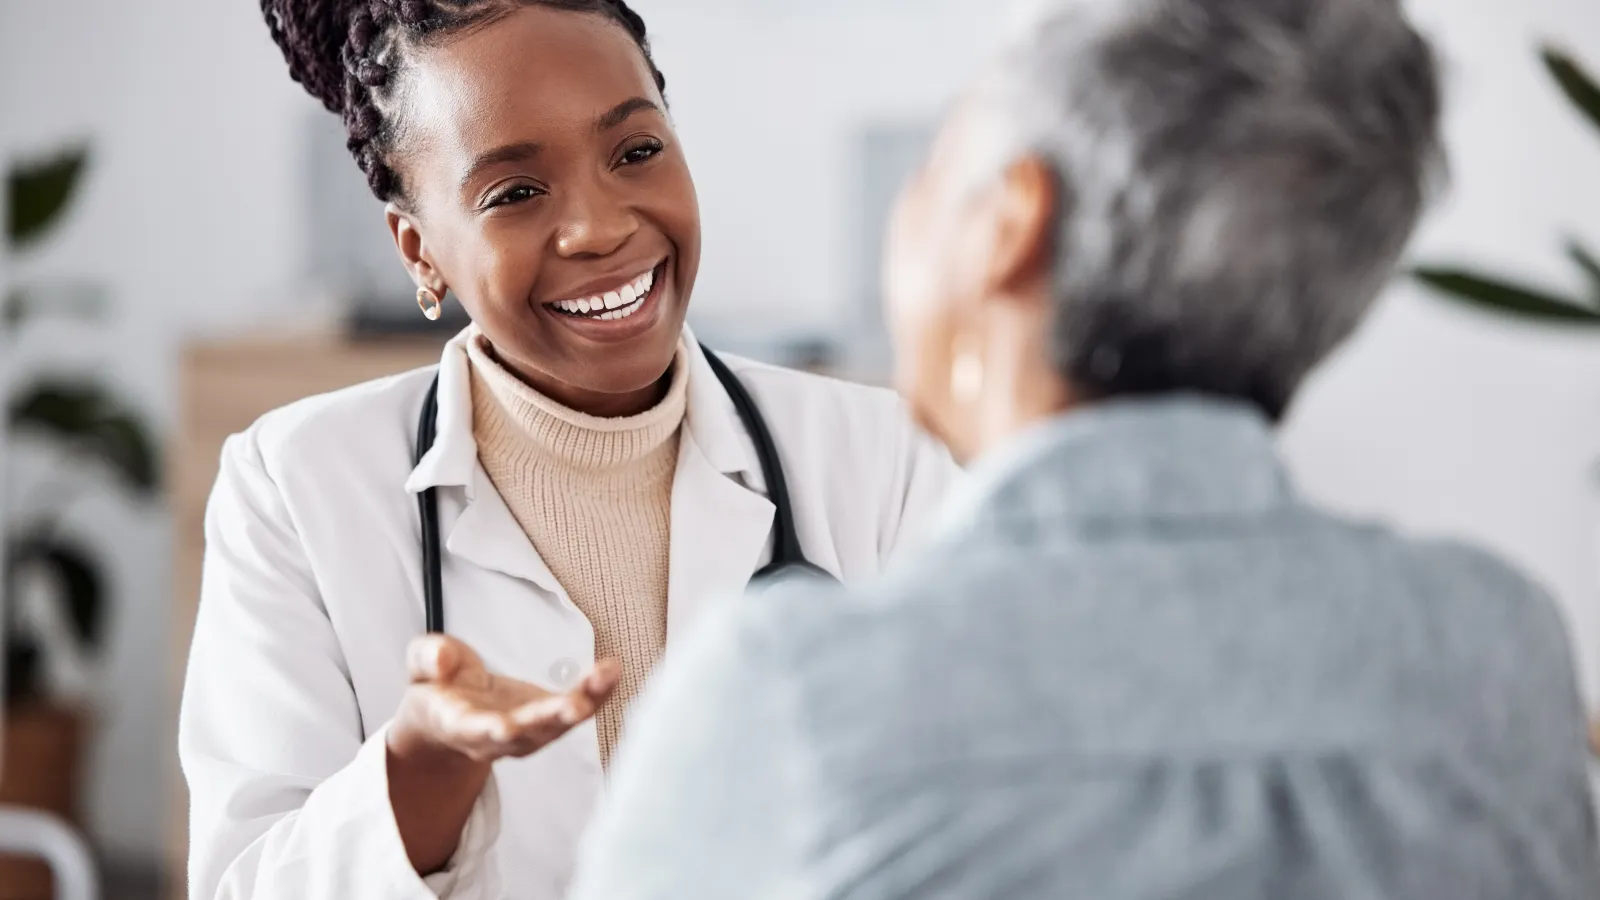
{"points": [[1234, 181]]}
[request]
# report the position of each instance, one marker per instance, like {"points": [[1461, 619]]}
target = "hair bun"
{"points": [[333, 51], [312, 34]]}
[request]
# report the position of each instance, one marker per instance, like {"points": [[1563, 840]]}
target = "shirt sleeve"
{"points": [[289, 798], [706, 798]]}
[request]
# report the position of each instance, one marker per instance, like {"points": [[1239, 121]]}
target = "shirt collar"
{"points": [[711, 419], [1171, 457]]}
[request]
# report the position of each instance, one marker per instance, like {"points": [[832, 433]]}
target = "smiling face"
{"points": [[548, 193]]}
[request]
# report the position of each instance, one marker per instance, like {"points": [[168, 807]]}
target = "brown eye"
{"points": [[642, 152], [519, 194]]}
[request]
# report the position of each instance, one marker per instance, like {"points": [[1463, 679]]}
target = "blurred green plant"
{"points": [[85, 420], [40, 192], [1508, 296]]}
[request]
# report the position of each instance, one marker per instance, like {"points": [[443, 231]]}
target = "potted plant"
{"points": [[1508, 296], [1513, 298], [55, 592]]}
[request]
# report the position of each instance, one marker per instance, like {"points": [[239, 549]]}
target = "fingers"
{"points": [[580, 703], [552, 713], [487, 735], [543, 720], [497, 717], [603, 680], [560, 713], [428, 658], [441, 659]]}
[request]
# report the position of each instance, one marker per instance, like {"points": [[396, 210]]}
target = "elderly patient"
{"points": [[1134, 663]]}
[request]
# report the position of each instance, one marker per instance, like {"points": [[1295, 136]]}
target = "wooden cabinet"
{"points": [[225, 386]]}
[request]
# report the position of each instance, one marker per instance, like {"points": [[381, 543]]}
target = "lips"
{"points": [[619, 302]]}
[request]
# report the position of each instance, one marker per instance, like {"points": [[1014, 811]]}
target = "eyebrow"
{"points": [[522, 151], [517, 152], [623, 111]]}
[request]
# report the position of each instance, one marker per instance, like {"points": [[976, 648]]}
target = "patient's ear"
{"points": [[1022, 212]]}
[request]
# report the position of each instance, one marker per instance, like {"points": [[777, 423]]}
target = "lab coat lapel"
{"points": [[488, 535], [721, 528], [476, 523]]}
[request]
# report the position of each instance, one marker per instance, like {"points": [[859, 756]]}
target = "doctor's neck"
{"points": [[589, 402]]}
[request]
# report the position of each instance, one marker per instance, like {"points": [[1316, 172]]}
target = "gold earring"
{"points": [[966, 376], [430, 304]]}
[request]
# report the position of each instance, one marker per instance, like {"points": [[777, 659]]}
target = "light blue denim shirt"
{"points": [[1133, 665]]}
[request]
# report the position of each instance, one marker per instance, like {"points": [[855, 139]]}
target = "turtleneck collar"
{"points": [[505, 408]]}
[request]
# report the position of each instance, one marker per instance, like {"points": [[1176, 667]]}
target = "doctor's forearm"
{"points": [[432, 790]]}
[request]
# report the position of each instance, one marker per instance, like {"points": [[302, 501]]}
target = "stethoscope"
{"points": [[788, 560]]}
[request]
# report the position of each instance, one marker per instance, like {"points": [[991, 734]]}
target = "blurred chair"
{"points": [[27, 832]]}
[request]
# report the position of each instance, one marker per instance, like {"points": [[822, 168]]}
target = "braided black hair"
{"points": [[346, 52]]}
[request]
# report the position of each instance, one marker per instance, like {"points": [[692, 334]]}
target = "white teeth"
{"points": [[617, 304]]}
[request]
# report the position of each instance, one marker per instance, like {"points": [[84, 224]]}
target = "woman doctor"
{"points": [[593, 479]]}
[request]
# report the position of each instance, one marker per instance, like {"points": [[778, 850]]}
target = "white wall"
{"points": [[189, 214], [1437, 419], [1450, 422]]}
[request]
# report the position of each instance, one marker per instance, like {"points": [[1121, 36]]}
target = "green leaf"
{"points": [[1585, 260], [78, 299], [1579, 87], [121, 440], [39, 194], [78, 575], [88, 419], [1505, 297]]}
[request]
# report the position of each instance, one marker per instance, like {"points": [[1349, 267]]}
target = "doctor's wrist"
{"points": [[432, 790], [419, 750]]}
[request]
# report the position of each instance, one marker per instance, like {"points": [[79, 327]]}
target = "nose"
{"points": [[594, 223]]}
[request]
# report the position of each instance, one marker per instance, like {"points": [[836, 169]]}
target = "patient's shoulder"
{"points": [[1479, 591]]}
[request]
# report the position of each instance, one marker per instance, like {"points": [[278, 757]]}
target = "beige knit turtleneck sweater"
{"points": [[595, 497]]}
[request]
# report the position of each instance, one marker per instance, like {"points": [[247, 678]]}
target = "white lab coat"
{"points": [[312, 590]]}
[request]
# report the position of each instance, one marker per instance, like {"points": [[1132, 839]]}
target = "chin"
{"points": [[628, 369], [637, 377]]}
